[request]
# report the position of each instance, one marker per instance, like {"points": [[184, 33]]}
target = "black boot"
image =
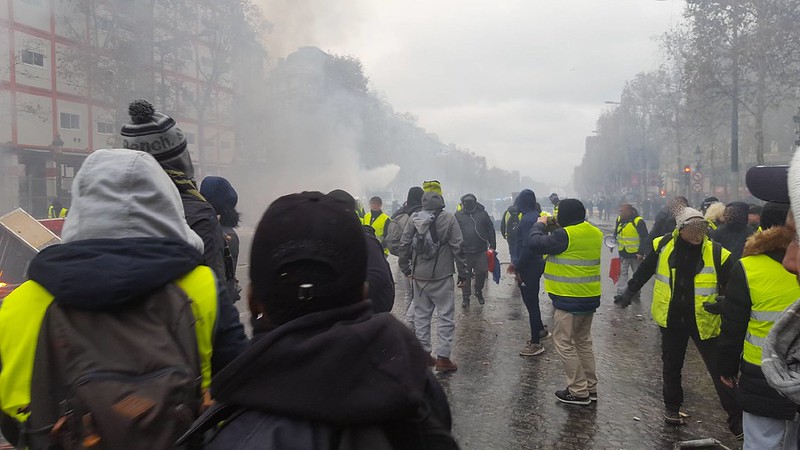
{"points": [[465, 301], [479, 294]]}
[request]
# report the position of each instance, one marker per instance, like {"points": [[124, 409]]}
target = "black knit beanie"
{"points": [[414, 197], [571, 212], [300, 266], [774, 215]]}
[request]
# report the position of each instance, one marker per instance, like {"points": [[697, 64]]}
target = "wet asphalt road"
{"points": [[501, 400]]}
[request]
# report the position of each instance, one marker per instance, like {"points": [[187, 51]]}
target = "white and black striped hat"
{"points": [[152, 132]]}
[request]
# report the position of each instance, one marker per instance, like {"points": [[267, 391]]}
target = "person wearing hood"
{"points": [[665, 220], [395, 232], [759, 290], [715, 215], [528, 268], [323, 372], [572, 280], [708, 201], [379, 275], [157, 134], [691, 271], [223, 198], [477, 229], [509, 224], [431, 252], [124, 241], [555, 201], [754, 218], [734, 231]]}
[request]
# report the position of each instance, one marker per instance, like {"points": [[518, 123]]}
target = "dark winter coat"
{"points": [[379, 274], [477, 229], [754, 394], [664, 223], [525, 260], [336, 379], [202, 219], [734, 232]]}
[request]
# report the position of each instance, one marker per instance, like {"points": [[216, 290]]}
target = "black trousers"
{"points": [[674, 340]]}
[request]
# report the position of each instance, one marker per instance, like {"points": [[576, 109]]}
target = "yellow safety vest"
{"points": [[21, 317], [61, 214], [772, 290], [705, 287], [379, 225], [555, 211], [576, 272], [628, 237], [711, 225]]}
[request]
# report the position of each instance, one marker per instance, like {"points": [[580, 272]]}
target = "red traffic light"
{"points": [[663, 193], [687, 169]]}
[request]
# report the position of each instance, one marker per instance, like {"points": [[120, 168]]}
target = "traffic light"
{"points": [[663, 193], [687, 169]]}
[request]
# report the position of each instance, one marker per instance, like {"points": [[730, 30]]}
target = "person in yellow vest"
{"points": [[378, 220], [631, 235], [555, 201], [690, 272], [56, 210], [572, 280], [758, 292], [127, 235]]}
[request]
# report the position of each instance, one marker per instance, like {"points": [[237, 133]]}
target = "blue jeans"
{"points": [[529, 288]]}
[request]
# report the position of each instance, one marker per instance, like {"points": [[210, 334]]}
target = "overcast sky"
{"points": [[521, 82]]}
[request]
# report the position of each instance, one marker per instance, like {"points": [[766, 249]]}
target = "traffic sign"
{"points": [[697, 176], [697, 187]]}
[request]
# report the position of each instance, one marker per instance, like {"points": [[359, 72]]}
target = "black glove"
{"points": [[714, 307], [625, 299]]}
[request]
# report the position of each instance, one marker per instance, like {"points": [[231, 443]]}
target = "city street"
{"points": [[501, 400]]}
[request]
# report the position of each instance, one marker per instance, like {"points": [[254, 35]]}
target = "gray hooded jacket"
{"points": [[450, 259], [149, 205]]}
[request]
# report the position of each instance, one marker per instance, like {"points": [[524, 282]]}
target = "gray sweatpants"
{"points": [[439, 294], [408, 297]]}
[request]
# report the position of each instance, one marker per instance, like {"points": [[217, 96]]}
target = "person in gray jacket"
{"points": [[431, 252], [477, 228]]}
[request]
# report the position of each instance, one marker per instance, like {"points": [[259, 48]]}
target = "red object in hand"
{"points": [[614, 270], [490, 257]]}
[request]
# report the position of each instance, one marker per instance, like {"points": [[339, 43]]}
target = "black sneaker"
{"points": [[479, 294], [673, 417], [544, 333], [566, 396], [465, 302]]}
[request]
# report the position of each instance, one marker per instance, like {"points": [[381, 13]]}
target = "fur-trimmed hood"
{"points": [[770, 240]]}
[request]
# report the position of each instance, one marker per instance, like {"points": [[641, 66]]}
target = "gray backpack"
{"points": [[128, 378], [426, 244], [394, 232]]}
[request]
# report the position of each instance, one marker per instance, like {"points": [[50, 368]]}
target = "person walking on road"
{"points": [[758, 292], [378, 220], [431, 252], [508, 226], [631, 234], [393, 237], [690, 272], [572, 280], [528, 268], [477, 230]]}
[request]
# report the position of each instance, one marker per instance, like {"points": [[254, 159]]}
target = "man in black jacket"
{"points": [[156, 133], [323, 372], [734, 231], [665, 220], [758, 291], [478, 232]]}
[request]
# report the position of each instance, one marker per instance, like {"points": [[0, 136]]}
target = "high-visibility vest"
{"points": [[628, 239], [555, 211], [379, 225], [21, 319], [51, 214], [772, 290], [705, 287], [576, 271]]}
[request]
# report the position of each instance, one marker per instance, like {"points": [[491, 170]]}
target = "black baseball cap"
{"points": [[769, 183]]}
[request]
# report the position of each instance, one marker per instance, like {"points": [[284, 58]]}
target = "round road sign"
{"points": [[697, 187], [697, 176]]}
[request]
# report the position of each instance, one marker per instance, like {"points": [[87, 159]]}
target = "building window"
{"points": [[105, 128], [70, 121], [36, 3], [32, 58], [190, 138]]}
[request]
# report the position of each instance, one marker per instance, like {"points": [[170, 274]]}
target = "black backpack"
{"points": [[128, 378]]}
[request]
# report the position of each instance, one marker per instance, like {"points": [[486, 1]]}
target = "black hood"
{"points": [[736, 215], [526, 201], [104, 274], [414, 197], [342, 366], [571, 212]]}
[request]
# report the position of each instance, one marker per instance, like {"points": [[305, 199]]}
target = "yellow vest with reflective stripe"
{"points": [[628, 237], [772, 290], [705, 287], [379, 225], [576, 272], [52, 215], [23, 311]]}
